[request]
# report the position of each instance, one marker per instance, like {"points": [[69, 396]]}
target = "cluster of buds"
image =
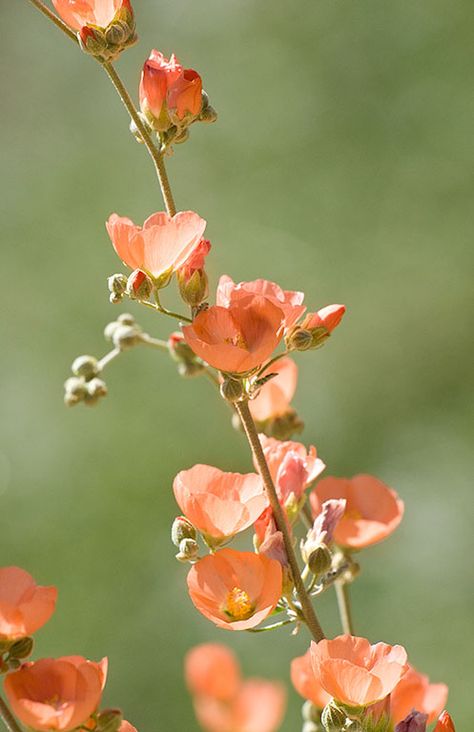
{"points": [[171, 99], [137, 286], [314, 330], [124, 333], [187, 362], [183, 536], [85, 384], [14, 652]]}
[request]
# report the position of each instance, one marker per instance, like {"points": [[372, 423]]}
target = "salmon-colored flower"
{"points": [[56, 694], [288, 301], [211, 669], [219, 504], [445, 723], [373, 510], [24, 606], [161, 245], [165, 87], [78, 13], [328, 317], [236, 590], [306, 683], [292, 467], [126, 727], [238, 338], [357, 673], [259, 706], [275, 396], [414, 691]]}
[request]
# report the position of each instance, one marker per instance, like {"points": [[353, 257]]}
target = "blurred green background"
{"points": [[341, 164]]}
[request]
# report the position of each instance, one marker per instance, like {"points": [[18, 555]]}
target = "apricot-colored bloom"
{"points": [[328, 317], [306, 683], [211, 669], [275, 396], [24, 606], [238, 338], [288, 301], [165, 85], [414, 691], [126, 727], [161, 246], [292, 467], [236, 590], [373, 510], [56, 694], [219, 504], [77, 13], [445, 723], [356, 673], [259, 706]]}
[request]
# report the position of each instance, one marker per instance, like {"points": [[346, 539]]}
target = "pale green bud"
{"points": [[85, 366], [182, 529], [232, 389]]}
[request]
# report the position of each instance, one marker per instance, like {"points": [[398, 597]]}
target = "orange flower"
{"points": [[259, 706], [161, 246], [165, 86], [306, 683], [211, 669], [292, 467], [414, 691], [56, 694], [373, 511], [78, 13], [219, 504], [238, 338], [236, 590], [328, 317], [275, 396], [24, 605], [445, 723], [126, 727], [288, 301], [356, 673]]}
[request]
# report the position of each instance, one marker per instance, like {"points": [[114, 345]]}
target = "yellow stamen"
{"points": [[238, 605], [353, 515], [238, 340]]}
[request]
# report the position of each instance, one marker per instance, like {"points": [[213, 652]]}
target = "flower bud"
{"points": [[333, 718], [282, 427], [299, 339], [125, 337], [139, 285], [193, 287], [232, 389], [414, 722], [126, 319], [188, 370], [320, 560], [85, 366], [75, 391], [109, 720], [21, 648], [188, 550], [92, 40], [182, 529], [96, 389], [117, 283], [208, 115], [319, 337]]}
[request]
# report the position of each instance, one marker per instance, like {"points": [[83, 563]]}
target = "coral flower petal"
{"points": [[24, 606]]}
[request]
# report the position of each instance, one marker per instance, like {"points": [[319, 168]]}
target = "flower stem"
{"points": [[254, 442], [344, 605], [156, 155], [8, 719], [54, 18]]}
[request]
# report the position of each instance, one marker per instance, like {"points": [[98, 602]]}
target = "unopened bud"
{"points": [[188, 550], [125, 337], [283, 427], [194, 288], [182, 529], [117, 283], [13, 664], [139, 285], [75, 391], [85, 366], [96, 389], [208, 114], [320, 560], [190, 369], [319, 336], [333, 718], [126, 319], [232, 389], [21, 648], [110, 329], [299, 339], [109, 720], [92, 40], [181, 136], [117, 33]]}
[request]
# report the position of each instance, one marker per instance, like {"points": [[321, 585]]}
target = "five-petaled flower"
{"points": [[24, 606]]}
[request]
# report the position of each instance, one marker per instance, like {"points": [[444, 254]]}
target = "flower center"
{"points": [[237, 340], [55, 702], [238, 605], [353, 514]]}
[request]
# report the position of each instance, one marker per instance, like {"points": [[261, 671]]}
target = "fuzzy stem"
{"points": [[54, 18], [344, 605], [8, 719], [256, 447]]}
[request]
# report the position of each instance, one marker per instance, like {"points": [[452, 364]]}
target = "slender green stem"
{"points": [[344, 605], [154, 342], [274, 626], [8, 719], [156, 155], [272, 361], [254, 442], [54, 18], [165, 311]]}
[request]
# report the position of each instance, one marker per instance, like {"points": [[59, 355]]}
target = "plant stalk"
{"points": [[8, 719], [344, 605]]}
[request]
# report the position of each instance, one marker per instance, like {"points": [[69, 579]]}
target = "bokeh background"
{"points": [[341, 164]]}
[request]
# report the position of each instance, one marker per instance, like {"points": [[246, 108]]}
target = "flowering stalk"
{"points": [[344, 605], [8, 718], [155, 154], [257, 451]]}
